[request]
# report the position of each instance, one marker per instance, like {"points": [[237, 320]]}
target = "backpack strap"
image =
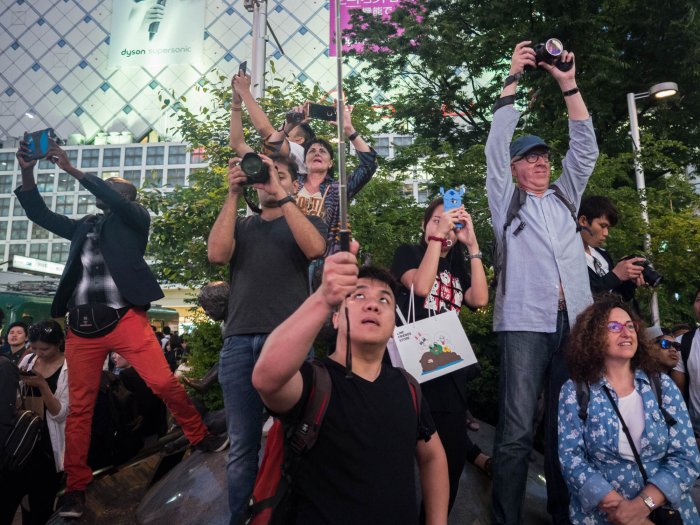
{"points": [[416, 397], [307, 429], [517, 201], [583, 394], [686, 343], [569, 205]]}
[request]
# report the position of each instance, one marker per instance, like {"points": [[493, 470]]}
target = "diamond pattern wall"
{"points": [[53, 63]]}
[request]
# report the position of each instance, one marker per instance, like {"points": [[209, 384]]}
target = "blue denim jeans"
{"points": [[244, 416], [530, 362]]}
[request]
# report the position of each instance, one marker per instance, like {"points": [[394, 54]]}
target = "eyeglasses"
{"points": [[667, 345], [616, 328], [533, 156]]}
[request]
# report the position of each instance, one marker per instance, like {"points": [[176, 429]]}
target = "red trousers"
{"points": [[133, 339]]}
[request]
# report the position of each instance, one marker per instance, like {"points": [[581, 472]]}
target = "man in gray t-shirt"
{"points": [[543, 284], [268, 256]]}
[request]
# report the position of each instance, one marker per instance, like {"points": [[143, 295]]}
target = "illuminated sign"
{"points": [[147, 33], [19, 262], [381, 8]]}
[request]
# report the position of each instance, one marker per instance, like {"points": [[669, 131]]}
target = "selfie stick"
{"points": [[344, 233]]}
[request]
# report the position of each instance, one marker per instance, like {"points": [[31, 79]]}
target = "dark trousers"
{"points": [[9, 378], [557, 493], [39, 481]]}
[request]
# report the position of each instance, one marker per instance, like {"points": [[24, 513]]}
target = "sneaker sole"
{"points": [[223, 446]]}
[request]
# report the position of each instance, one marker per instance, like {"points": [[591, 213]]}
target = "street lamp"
{"points": [[657, 91]]}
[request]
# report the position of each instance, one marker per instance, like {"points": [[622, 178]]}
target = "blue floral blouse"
{"points": [[590, 458]]}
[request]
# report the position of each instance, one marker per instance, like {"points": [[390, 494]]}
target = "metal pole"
{"points": [[259, 42], [641, 189], [344, 233]]}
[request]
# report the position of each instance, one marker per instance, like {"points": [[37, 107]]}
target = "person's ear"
{"points": [[583, 221], [335, 319]]}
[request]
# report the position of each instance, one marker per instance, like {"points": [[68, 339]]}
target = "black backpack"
{"points": [[500, 250], [583, 394], [686, 344], [271, 502], [21, 442]]}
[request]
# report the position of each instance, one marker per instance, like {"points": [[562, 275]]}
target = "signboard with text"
{"points": [[381, 8], [156, 33]]}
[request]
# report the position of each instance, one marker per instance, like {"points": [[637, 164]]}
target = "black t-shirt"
{"points": [[446, 393], [269, 275], [361, 469]]}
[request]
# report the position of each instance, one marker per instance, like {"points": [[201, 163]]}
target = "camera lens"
{"points": [[254, 168], [554, 47]]}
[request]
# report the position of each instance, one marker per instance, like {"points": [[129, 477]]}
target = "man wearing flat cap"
{"points": [[542, 280]]}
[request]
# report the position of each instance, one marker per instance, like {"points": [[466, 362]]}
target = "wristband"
{"points": [[285, 200], [511, 78], [446, 243], [570, 92], [470, 256], [504, 101], [353, 136]]}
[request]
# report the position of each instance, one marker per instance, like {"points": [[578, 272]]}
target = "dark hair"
{"points": [[287, 161], [307, 133], [22, 325], [123, 186], [695, 295], [588, 341], [325, 144], [166, 330], [680, 326], [428, 214], [597, 206], [48, 331], [377, 273]]}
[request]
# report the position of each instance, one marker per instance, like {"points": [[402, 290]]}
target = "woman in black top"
{"points": [[446, 272], [44, 377]]}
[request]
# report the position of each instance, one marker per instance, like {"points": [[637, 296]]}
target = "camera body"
{"points": [[550, 52], [649, 274], [256, 171], [38, 143], [294, 117]]}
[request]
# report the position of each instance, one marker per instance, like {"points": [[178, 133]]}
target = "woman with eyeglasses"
{"points": [[614, 370], [44, 386]]}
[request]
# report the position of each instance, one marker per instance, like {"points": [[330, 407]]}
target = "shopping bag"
{"points": [[431, 347]]}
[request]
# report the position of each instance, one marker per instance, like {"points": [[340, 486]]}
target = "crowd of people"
{"points": [[620, 434]]}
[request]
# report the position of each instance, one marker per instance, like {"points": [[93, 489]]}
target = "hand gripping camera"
{"points": [[550, 53], [256, 171]]}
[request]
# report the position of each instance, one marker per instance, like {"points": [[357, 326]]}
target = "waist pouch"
{"points": [[94, 320]]}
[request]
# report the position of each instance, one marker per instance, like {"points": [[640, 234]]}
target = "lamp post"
{"points": [[657, 91], [259, 10]]}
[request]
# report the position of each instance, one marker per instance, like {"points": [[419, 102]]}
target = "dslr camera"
{"points": [[550, 52], [255, 169], [650, 275]]}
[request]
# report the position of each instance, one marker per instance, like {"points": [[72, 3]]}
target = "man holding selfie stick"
{"points": [[268, 255], [106, 288], [542, 281]]}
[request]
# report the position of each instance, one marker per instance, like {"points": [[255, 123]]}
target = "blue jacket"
{"points": [[590, 458], [123, 239]]}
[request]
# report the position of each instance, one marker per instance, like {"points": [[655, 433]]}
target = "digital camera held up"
{"points": [[650, 275], [255, 169], [550, 53]]}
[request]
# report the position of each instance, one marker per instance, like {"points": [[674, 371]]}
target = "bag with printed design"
{"points": [[432, 347]]}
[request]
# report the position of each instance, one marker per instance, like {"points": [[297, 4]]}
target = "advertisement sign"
{"points": [[381, 8], [156, 32]]}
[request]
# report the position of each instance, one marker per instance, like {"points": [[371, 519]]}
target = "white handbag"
{"points": [[431, 347]]}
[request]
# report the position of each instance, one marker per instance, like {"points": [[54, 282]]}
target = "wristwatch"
{"points": [[285, 200], [647, 500]]}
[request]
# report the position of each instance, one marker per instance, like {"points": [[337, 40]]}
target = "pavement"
{"points": [[194, 492]]}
